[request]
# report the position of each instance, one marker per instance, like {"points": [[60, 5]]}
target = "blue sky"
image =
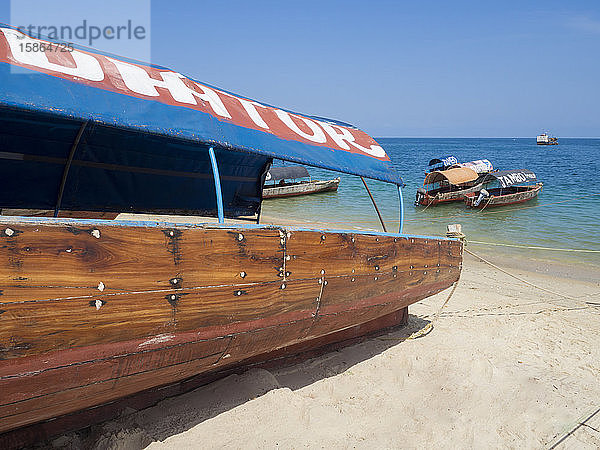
{"points": [[394, 68]]}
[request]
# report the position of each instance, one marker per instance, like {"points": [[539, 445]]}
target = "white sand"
{"points": [[506, 366]]}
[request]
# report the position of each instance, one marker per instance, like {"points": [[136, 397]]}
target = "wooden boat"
{"points": [[509, 190], [449, 185], [282, 188], [93, 311], [546, 139]]}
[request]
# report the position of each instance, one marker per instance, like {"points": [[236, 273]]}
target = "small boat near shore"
{"points": [[96, 313], [449, 185], [511, 188], [447, 180], [280, 187]]}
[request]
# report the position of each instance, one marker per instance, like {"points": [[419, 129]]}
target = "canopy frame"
{"points": [[218, 191], [61, 189]]}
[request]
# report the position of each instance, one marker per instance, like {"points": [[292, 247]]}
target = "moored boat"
{"points": [[449, 185], [511, 187], [93, 311], [278, 186]]}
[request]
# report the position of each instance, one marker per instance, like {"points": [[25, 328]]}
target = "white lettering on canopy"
{"points": [[86, 66], [342, 137], [516, 177], [317, 136], [103, 72], [138, 80], [250, 107]]}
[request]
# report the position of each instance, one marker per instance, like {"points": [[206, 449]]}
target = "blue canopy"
{"points": [[85, 130], [442, 163], [507, 178]]}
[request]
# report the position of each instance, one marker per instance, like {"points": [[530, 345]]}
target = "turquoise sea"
{"points": [[565, 215]]}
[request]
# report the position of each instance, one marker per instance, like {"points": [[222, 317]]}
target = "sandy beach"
{"points": [[506, 365]]}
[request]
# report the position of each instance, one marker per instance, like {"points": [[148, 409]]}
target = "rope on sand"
{"points": [[429, 327], [536, 248], [580, 423], [519, 278], [458, 234]]}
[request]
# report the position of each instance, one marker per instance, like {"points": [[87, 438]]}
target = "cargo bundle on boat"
{"points": [[507, 188], [444, 163], [283, 182], [94, 311]]}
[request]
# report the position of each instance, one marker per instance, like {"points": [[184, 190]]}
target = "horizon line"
{"points": [[480, 137]]}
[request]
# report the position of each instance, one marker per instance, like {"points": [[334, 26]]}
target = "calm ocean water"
{"points": [[565, 215]]}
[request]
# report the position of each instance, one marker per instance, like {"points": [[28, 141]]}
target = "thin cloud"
{"points": [[585, 24]]}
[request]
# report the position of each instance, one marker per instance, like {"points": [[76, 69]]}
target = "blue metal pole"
{"points": [[401, 209], [215, 168]]}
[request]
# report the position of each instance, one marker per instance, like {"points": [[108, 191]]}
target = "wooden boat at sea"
{"points": [[510, 188], [277, 186], [449, 185], [546, 139], [94, 312]]}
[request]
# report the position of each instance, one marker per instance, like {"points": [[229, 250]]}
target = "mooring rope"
{"points": [[428, 204], [519, 278], [580, 423], [486, 205], [536, 248], [429, 327]]}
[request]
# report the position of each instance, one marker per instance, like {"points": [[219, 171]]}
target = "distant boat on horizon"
{"points": [[546, 139]]}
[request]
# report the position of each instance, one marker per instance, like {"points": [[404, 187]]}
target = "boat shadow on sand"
{"points": [[175, 415]]}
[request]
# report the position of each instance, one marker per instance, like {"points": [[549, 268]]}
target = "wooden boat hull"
{"points": [[292, 190], [426, 199], [94, 311], [523, 194]]}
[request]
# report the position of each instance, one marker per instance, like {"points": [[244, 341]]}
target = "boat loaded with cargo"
{"points": [[447, 180], [95, 313]]}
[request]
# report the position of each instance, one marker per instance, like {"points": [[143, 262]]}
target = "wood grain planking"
{"points": [[48, 406], [164, 289], [48, 381], [47, 262], [247, 345], [338, 254], [35, 328], [350, 292]]}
